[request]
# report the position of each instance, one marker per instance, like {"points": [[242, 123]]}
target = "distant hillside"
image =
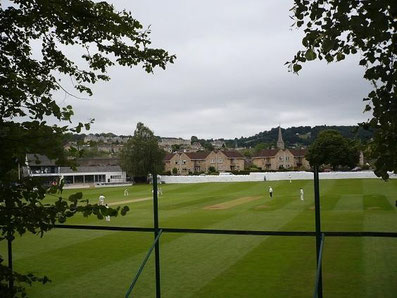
{"points": [[292, 136], [299, 136]]}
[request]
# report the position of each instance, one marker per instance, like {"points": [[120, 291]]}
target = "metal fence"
{"points": [[158, 231]]}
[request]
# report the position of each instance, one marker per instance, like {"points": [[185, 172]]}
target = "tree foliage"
{"points": [[260, 146], [301, 135], [331, 148], [142, 155], [35, 46], [337, 28]]}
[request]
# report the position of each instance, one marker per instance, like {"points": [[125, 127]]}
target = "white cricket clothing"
{"points": [[301, 191], [101, 200], [107, 218]]}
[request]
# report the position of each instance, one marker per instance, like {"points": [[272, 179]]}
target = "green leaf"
{"points": [[297, 68], [75, 197], [310, 55], [124, 210], [340, 56], [328, 45]]}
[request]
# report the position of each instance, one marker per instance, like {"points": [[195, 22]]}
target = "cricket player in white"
{"points": [[101, 199], [159, 192], [126, 192], [302, 193], [107, 218], [271, 192], [289, 176]]}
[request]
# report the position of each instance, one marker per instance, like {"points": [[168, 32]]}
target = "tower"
{"points": [[280, 142]]}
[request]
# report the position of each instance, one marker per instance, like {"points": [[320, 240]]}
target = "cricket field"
{"points": [[84, 263]]}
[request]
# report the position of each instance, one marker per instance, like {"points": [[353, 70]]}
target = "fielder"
{"points": [[101, 199], [126, 192], [289, 176], [271, 192], [159, 192], [302, 193], [107, 217]]}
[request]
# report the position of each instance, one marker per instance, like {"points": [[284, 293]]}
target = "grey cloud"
{"points": [[229, 78]]}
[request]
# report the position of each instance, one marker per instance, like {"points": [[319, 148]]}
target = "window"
{"points": [[176, 162], [220, 160], [212, 160], [115, 176], [184, 162], [99, 178]]}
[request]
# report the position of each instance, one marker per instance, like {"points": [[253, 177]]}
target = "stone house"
{"points": [[218, 144], [280, 158], [186, 162], [197, 162], [299, 158], [273, 159], [225, 161]]}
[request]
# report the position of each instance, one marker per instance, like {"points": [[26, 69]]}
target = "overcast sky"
{"points": [[229, 78]]}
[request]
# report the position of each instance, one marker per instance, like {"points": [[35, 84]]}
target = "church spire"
{"points": [[280, 142]]}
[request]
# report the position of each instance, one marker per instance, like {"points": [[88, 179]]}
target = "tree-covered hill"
{"points": [[299, 136]]}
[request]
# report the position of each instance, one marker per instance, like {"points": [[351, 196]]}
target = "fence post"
{"points": [[156, 232], [318, 227], [10, 281], [9, 244]]}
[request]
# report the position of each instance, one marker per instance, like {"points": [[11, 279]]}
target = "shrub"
{"points": [[211, 169]]}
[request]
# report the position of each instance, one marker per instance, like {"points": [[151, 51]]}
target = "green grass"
{"points": [[103, 263]]}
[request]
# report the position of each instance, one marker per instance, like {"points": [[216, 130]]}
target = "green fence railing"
{"points": [[143, 265], [157, 230], [319, 267]]}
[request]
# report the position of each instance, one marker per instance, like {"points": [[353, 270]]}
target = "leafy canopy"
{"points": [[331, 148], [36, 44], [336, 28], [142, 155]]}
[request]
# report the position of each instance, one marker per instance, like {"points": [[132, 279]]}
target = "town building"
{"points": [[169, 144], [280, 158], [218, 144], [186, 162], [199, 162], [196, 146], [225, 161], [173, 141], [106, 139], [101, 171]]}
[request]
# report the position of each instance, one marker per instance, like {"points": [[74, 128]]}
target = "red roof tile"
{"points": [[197, 155], [266, 153], [233, 154], [298, 152], [168, 156]]}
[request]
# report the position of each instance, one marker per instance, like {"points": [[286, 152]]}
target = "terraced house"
{"points": [[197, 162], [186, 162], [225, 161]]}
